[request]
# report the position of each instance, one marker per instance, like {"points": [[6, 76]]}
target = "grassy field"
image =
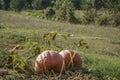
{"points": [[101, 60]]}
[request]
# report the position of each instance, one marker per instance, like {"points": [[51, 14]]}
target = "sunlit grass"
{"points": [[101, 66]]}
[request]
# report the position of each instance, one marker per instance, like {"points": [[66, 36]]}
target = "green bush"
{"points": [[89, 16], [113, 5], [86, 4], [115, 20], [112, 19], [64, 11], [41, 4], [60, 11], [103, 19], [49, 13]]}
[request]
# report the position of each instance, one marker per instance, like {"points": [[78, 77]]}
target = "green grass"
{"points": [[100, 60], [101, 66]]}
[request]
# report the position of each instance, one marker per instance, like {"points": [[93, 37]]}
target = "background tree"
{"points": [[98, 4], [0, 4], [17, 5], [6, 4], [112, 4], [41, 4], [76, 3], [86, 4], [28, 4], [64, 10], [107, 4]]}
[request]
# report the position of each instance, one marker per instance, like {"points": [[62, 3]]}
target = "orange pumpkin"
{"points": [[49, 60], [71, 58]]}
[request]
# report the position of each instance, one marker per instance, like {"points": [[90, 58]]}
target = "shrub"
{"points": [[64, 11], [112, 5], [86, 4], [89, 16], [103, 19], [115, 20], [41, 4], [49, 13]]}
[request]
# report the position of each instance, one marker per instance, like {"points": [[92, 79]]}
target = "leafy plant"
{"points": [[21, 57], [103, 19], [115, 19], [48, 37], [20, 61], [89, 16]]}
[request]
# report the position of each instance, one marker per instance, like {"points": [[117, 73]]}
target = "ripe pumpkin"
{"points": [[71, 58], [49, 60]]}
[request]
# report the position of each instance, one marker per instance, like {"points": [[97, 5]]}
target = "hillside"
{"points": [[100, 60]]}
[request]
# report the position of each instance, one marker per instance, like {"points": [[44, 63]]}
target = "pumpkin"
{"points": [[49, 60], [71, 58]]}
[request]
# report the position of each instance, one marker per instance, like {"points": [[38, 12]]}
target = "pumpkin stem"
{"points": [[71, 59]]}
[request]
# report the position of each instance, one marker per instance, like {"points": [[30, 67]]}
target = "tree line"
{"points": [[63, 10], [42, 4]]}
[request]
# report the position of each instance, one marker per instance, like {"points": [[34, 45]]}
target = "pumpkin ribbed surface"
{"points": [[71, 58], [49, 60]]}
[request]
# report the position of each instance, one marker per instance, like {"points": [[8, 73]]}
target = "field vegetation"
{"points": [[90, 27], [98, 46]]}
